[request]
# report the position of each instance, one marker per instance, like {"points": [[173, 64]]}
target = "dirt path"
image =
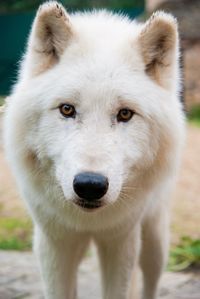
{"points": [[186, 199], [25, 281]]}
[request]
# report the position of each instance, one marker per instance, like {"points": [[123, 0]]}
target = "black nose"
{"points": [[90, 186]]}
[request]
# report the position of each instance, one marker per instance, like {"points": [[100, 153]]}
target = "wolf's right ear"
{"points": [[51, 32], [158, 42]]}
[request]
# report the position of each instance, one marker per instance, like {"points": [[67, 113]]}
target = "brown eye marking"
{"points": [[125, 115], [67, 110]]}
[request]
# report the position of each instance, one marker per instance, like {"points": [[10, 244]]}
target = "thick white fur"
{"points": [[100, 63]]}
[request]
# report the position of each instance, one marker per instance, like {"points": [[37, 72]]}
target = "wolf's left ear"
{"points": [[158, 41], [51, 32]]}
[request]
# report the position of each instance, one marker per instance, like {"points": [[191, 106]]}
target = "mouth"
{"points": [[89, 205]]}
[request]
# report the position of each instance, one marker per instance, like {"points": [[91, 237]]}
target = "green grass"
{"points": [[185, 255], [194, 115], [15, 234]]}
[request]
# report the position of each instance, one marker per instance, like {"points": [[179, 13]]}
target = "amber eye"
{"points": [[67, 110], [124, 115]]}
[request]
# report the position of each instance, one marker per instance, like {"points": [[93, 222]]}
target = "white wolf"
{"points": [[93, 133]]}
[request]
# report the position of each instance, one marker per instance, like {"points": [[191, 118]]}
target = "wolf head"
{"points": [[96, 107]]}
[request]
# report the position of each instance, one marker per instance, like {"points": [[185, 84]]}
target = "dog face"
{"points": [[97, 101]]}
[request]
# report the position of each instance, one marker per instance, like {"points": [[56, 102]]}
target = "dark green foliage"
{"points": [[18, 6], [117, 4], [24, 5]]}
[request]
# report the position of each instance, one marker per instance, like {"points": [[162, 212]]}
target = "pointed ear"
{"points": [[158, 42], [51, 32]]}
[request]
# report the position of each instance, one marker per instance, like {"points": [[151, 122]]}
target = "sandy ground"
{"points": [[186, 198]]}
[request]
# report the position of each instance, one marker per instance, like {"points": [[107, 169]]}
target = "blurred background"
{"points": [[15, 21]]}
